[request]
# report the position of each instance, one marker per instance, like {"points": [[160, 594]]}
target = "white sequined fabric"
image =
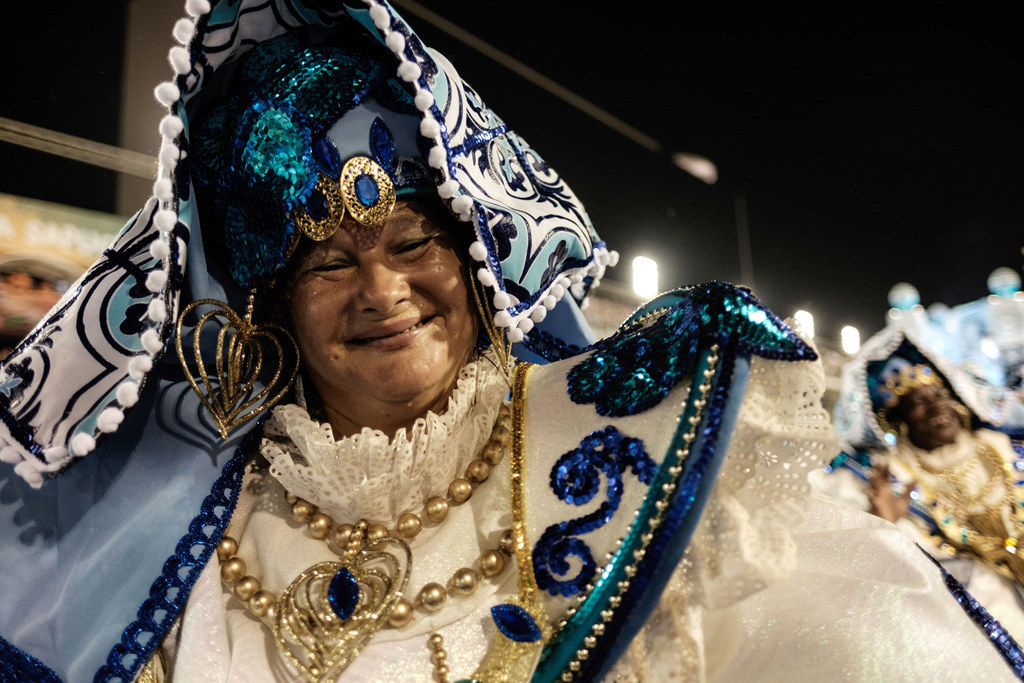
{"points": [[376, 477]]}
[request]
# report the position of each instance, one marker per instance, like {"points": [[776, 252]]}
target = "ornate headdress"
{"points": [[532, 243]]}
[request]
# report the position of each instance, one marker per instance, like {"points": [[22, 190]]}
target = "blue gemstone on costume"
{"points": [[515, 623], [367, 191], [382, 144], [317, 207], [343, 593]]}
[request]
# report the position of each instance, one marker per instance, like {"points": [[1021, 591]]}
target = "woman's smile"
{"points": [[392, 336]]}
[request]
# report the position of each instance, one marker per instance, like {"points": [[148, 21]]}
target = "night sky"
{"points": [[868, 146]]}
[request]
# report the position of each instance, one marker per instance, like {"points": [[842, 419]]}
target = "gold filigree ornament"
{"points": [[367, 191], [319, 230], [242, 351], [326, 616]]}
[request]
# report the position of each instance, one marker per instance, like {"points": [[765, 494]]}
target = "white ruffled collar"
{"points": [[372, 476]]}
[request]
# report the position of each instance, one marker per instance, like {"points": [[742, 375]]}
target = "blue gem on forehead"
{"points": [[367, 191], [515, 623], [343, 593]]}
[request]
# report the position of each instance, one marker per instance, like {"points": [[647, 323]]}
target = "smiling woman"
{"points": [[460, 480], [384, 325]]}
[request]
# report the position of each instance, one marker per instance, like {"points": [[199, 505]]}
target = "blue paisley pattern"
{"points": [[576, 479]]}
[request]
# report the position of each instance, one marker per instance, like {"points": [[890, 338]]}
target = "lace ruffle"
{"points": [[372, 476], [744, 540]]}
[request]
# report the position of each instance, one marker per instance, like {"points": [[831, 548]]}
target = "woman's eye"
{"points": [[415, 244], [330, 266]]}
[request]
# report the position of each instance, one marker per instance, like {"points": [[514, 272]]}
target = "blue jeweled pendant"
{"points": [[367, 191], [343, 593], [515, 623]]}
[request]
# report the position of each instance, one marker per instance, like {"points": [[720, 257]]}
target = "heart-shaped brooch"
{"points": [[245, 355]]}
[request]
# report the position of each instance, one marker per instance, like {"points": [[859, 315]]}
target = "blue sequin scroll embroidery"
{"points": [[637, 367], [576, 479]]}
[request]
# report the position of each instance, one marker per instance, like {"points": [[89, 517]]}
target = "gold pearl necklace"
{"points": [[349, 539]]}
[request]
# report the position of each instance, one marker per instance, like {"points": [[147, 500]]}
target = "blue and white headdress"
{"points": [[533, 244]]}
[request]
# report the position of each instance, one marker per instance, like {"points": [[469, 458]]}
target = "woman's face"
{"points": [[931, 416], [384, 320]]}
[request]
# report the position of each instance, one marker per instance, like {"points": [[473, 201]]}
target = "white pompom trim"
{"points": [[26, 470], [525, 325], [156, 281], [197, 8], [503, 319], [10, 455], [169, 154], [396, 42], [409, 72], [167, 93], [430, 128], [151, 341], [158, 249], [550, 301], [424, 100], [502, 299], [515, 335], [157, 310], [162, 189], [486, 277], [447, 189], [109, 420], [82, 444], [380, 17], [171, 126], [183, 30], [540, 312], [437, 157], [462, 204], [165, 220], [477, 251], [139, 366], [128, 393], [179, 59]]}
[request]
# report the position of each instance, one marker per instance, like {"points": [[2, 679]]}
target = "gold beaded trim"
{"points": [[590, 642]]}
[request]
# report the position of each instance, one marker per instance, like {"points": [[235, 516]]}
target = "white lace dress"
{"points": [[759, 595]]}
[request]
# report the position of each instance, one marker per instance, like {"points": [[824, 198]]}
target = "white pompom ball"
{"points": [[128, 394], [179, 59], [151, 341], [525, 325], [157, 310], [171, 126], [576, 278], [158, 249], [540, 312], [478, 251], [168, 154], [613, 259], [502, 300], [395, 42], [197, 8], [577, 290], [502, 319], [139, 366], [448, 189], [156, 280], [424, 100], [380, 17], [462, 204], [557, 291], [409, 71], [183, 30], [10, 455], [486, 277], [82, 443], [430, 128], [164, 220], [550, 302], [515, 335], [437, 157], [167, 93], [109, 420], [162, 189]]}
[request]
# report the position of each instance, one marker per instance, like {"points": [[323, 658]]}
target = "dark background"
{"points": [[871, 144]]}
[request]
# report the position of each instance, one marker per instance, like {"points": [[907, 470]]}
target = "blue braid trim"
{"points": [[997, 635], [20, 667], [170, 591]]}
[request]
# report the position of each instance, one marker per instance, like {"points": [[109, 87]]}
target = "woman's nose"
{"points": [[381, 287]]}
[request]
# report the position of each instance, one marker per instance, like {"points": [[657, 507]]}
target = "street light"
{"points": [[850, 337], [806, 322], [645, 277]]}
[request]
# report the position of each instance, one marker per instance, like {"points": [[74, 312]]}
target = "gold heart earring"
{"points": [[239, 363]]}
